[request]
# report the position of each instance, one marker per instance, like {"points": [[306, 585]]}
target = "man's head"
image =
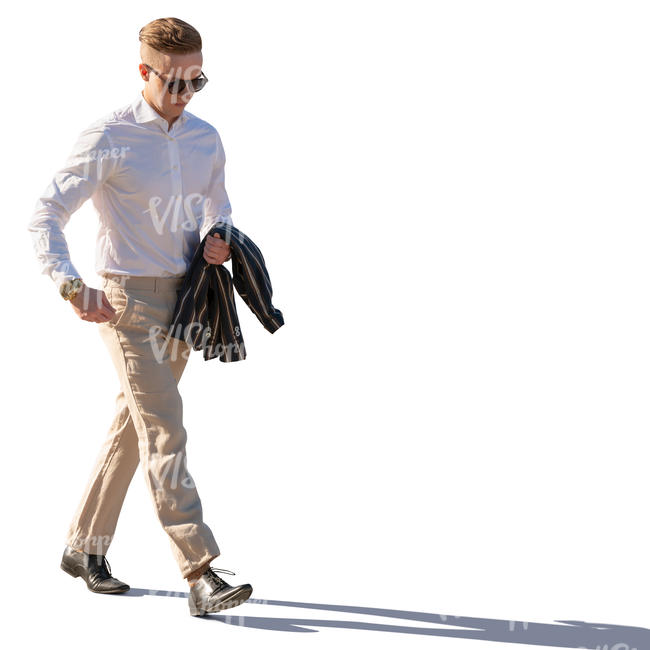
{"points": [[170, 49]]}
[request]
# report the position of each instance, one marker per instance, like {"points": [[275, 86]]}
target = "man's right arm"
{"points": [[89, 164]]}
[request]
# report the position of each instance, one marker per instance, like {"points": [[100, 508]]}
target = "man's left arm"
{"points": [[216, 209]]}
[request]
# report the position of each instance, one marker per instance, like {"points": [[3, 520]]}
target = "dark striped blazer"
{"points": [[205, 315]]}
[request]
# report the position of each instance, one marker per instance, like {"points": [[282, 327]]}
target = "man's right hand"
{"points": [[92, 305]]}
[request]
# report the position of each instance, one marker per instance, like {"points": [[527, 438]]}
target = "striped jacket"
{"points": [[205, 315]]}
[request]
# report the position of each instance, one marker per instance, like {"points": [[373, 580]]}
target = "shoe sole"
{"points": [[75, 574], [236, 599]]}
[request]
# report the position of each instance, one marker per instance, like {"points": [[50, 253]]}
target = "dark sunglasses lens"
{"points": [[178, 85], [198, 83]]}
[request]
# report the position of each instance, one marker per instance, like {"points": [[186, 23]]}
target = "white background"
{"points": [[452, 201]]}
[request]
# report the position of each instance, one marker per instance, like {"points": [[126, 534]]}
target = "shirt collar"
{"points": [[144, 112]]}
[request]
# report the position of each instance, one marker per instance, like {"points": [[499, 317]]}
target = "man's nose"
{"points": [[186, 95]]}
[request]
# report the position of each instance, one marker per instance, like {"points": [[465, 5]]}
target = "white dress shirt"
{"points": [[156, 190]]}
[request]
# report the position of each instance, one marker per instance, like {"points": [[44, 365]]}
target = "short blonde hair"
{"points": [[171, 35]]}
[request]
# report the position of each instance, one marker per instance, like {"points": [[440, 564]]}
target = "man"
{"points": [[155, 174]]}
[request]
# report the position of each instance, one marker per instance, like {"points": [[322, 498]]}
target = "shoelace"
{"points": [[104, 566], [220, 583]]}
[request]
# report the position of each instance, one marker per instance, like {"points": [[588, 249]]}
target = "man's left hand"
{"points": [[216, 251]]}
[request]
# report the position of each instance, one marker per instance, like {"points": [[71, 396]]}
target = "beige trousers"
{"points": [[147, 427]]}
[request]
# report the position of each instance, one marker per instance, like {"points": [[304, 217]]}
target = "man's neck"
{"points": [[169, 122]]}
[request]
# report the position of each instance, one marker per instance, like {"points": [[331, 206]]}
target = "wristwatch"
{"points": [[70, 288]]}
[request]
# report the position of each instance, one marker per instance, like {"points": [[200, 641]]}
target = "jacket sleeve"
{"points": [[88, 165], [216, 207]]}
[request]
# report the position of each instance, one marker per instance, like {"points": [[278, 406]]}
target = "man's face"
{"points": [[170, 67]]}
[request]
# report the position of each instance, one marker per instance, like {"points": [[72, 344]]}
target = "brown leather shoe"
{"points": [[94, 569], [211, 594]]}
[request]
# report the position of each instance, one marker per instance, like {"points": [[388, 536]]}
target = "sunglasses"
{"points": [[178, 85]]}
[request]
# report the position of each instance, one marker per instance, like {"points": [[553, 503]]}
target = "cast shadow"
{"points": [[559, 634]]}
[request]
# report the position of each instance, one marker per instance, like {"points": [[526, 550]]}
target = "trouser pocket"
{"points": [[121, 302]]}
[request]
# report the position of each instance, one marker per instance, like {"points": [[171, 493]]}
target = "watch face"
{"points": [[69, 286]]}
